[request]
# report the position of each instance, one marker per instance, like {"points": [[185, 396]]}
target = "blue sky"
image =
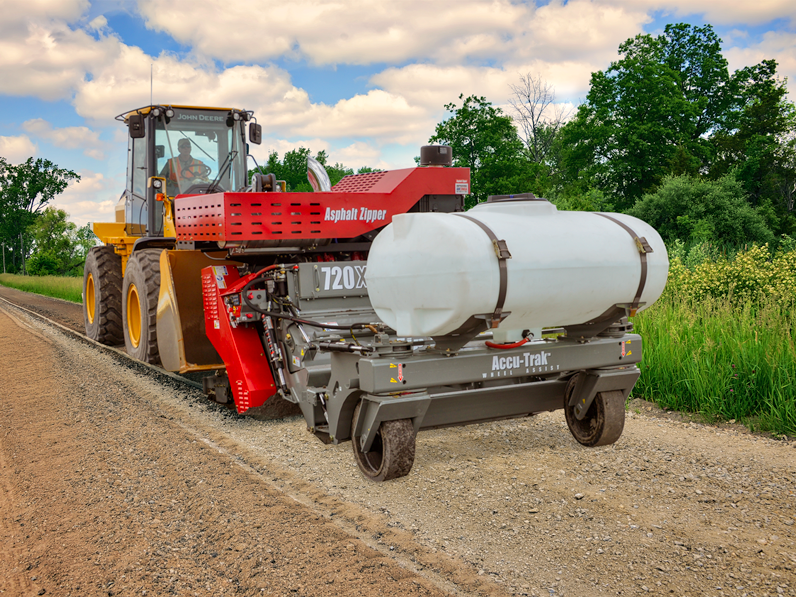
{"points": [[366, 81]]}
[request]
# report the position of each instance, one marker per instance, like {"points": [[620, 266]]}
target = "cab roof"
{"points": [[147, 109]]}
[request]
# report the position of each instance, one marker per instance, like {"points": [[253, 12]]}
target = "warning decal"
{"points": [[221, 273]]}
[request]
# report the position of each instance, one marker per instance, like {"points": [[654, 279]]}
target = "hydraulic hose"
{"points": [[275, 314], [506, 346]]}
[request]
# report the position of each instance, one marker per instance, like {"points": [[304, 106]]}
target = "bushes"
{"points": [[720, 341], [752, 276], [697, 210]]}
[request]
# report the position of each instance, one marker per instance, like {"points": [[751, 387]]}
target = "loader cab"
{"points": [[194, 150]]}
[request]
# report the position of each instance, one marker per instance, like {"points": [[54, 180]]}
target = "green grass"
{"points": [[722, 360], [62, 287]]}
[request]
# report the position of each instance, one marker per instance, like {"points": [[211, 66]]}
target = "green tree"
{"points": [[485, 140], [649, 113], [757, 141], [697, 210], [336, 172], [25, 190], [59, 246], [293, 168]]}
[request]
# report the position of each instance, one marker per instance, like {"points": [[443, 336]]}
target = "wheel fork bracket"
{"points": [[591, 383], [388, 408]]}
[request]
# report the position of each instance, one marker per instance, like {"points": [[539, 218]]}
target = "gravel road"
{"points": [[127, 483]]}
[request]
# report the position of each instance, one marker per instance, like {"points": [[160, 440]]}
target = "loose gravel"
{"points": [[514, 507]]}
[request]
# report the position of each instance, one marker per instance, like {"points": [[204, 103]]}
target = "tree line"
{"points": [[36, 237], [666, 133]]}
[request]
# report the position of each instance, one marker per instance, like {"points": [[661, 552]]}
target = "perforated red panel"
{"points": [[352, 208], [359, 182], [200, 217], [249, 374]]}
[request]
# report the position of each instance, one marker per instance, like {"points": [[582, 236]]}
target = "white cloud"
{"points": [[70, 137], [282, 108], [359, 154], [578, 31], [17, 149], [432, 86], [378, 114], [124, 84], [717, 12], [92, 199], [48, 59], [363, 32], [353, 32], [18, 11], [781, 46]]}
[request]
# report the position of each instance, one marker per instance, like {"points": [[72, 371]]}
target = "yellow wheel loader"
{"points": [[376, 307]]}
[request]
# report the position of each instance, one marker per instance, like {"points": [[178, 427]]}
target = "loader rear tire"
{"points": [[140, 292], [604, 421], [102, 296], [393, 451]]}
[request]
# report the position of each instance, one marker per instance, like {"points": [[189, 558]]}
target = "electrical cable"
{"points": [[277, 315], [214, 258]]}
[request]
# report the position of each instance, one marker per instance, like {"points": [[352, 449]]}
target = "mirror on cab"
{"points": [[255, 133], [135, 122]]}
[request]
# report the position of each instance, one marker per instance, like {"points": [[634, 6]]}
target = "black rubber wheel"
{"points": [[393, 451], [140, 291], [604, 421], [102, 296]]}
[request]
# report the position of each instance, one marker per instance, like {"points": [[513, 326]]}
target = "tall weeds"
{"points": [[720, 341]]}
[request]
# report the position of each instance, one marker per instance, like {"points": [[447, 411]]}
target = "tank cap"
{"points": [[517, 197], [436, 155]]}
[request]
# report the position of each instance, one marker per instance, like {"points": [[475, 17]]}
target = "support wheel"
{"points": [[393, 451], [604, 421], [102, 296], [140, 303]]}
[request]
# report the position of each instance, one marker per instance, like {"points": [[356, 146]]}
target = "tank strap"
{"points": [[643, 248], [502, 253]]}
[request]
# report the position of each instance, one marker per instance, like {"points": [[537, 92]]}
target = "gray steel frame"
{"points": [[442, 391], [400, 380]]}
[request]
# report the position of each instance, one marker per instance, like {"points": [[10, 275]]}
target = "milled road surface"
{"points": [[117, 481]]}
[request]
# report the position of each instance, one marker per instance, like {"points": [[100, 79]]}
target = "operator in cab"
{"points": [[184, 170]]}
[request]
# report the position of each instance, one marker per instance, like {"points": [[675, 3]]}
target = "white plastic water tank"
{"points": [[428, 273]]}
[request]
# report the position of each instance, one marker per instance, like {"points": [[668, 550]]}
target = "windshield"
{"points": [[197, 148]]}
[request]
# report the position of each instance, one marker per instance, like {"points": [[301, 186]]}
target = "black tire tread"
{"points": [[143, 269], [398, 449], [106, 267], [604, 421]]}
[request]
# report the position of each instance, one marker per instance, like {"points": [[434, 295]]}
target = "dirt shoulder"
{"points": [[66, 313], [104, 494]]}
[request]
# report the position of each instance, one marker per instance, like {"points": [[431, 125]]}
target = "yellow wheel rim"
{"points": [[90, 303], [133, 316]]}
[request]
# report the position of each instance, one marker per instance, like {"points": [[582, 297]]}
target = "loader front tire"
{"points": [[102, 296], [603, 423], [393, 451], [140, 292]]}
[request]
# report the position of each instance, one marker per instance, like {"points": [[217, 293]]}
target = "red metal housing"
{"points": [[240, 347], [356, 205]]}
